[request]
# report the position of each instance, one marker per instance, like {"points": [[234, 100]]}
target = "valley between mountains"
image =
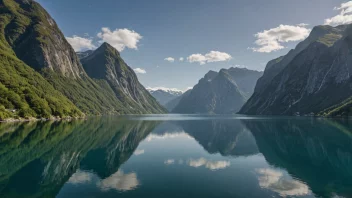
{"points": [[41, 76]]}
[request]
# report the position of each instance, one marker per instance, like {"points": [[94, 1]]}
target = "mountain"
{"points": [[222, 92], [312, 78], [163, 96], [24, 43], [105, 64], [39, 64], [174, 102]]}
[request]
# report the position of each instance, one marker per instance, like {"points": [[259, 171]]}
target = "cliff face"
{"points": [[311, 78], [105, 63], [23, 91], [36, 39], [221, 92]]}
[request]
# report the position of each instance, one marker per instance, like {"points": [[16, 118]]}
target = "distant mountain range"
{"points": [[223, 92], [164, 96], [42, 76], [312, 79]]}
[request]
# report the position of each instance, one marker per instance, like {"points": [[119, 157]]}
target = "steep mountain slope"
{"points": [[23, 90], [219, 93], [164, 96], [173, 103], [33, 37], [106, 64], [317, 78]]}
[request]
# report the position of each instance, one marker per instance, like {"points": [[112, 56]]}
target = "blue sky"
{"points": [[151, 31]]}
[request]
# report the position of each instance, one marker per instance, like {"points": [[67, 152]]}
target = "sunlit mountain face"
{"points": [[153, 156]]}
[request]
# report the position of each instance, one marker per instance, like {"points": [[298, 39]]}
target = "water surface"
{"points": [[177, 156]]}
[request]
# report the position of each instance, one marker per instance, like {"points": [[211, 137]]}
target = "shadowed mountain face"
{"points": [[309, 79], [36, 159], [106, 64], [222, 92], [318, 152]]}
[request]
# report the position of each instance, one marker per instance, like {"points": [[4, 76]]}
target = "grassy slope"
{"points": [[24, 89]]}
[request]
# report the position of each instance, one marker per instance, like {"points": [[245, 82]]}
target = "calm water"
{"points": [[177, 156]]}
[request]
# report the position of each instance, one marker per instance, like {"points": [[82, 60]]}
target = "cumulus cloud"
{"points": [[344, 17], [140, 71], [272, 39], [120, 38], [212, 56], [212, 165], [170, 59], [80, 43], [119, 181], [181, 59], [276, 181]]}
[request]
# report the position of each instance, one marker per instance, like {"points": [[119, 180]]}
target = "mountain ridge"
{"points": [[219, 92], [314, 78]]}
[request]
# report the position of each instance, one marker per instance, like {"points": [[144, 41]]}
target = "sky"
{"points": [[174, 43]]}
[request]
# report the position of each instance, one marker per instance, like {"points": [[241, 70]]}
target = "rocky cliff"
{"points": [[106, 64], [309, 79]]}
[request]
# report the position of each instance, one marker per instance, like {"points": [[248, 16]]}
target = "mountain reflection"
{"points": [[305, 156], [317, 152], [36, 159]]}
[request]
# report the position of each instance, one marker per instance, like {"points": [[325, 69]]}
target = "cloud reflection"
{"points": [[169, 161], [274, 180], [139, 152], [212, 165], [80, 177], [117, 181], [167, 136]]}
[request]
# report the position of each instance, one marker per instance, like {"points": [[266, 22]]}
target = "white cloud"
{"points": [[139, 152], [212, 165], [80, 43], [272, 39], [119, 181], [212, 56], [140, 71], [120, 38], [170, 59], [276, 181], [169, 161], [345, 16], [182, 59]]}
